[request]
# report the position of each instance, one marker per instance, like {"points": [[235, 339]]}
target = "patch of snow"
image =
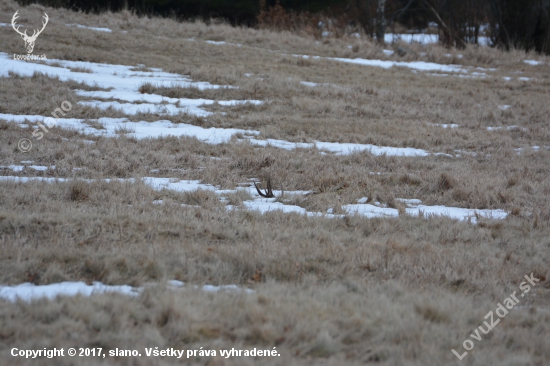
{"points": [[124, 84], [28, 291], [386, 64], [388, 52], [416, 209], [239, 102], [342, 148], [415, 65], [370, 211], [409, 201], [140, 129], [363, 200], [504, 107], [41, 167], [212, 288], [132, 109], [308, 83], [19, 168], [444, 154], [153, 103], [15, 168], [107, 30], [264, 205], [176, 184], [456, 212], [411, 38], [514, 127], [118, 78], [445, 125], [533, 62]]}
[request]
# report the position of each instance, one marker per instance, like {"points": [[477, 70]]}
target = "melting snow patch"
{"points": [[444, 125], [416, 209], [308, 83], [28, 291], [138, 130], [211, 288], [124, 84], [120, 79], [19, 168], [131, 109], [15, 168], [409, 201], [342, 148], [415, 65], [176, 184], [410, 38], [456, 212], [107, 30], [514, 127], [533, 62], [264, 205], [268, 204]]}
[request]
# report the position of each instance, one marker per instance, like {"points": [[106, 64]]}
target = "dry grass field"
{"points": [[340, 289]]}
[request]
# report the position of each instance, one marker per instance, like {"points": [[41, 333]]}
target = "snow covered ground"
{"points": [[107, 30], [124, 83], [263, 205], [28, 291], [424, 38]]}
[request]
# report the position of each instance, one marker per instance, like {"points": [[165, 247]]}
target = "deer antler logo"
{"points": [[29, 40]]}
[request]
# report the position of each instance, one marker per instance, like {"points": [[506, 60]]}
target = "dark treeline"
{"points": [[510, 23]]}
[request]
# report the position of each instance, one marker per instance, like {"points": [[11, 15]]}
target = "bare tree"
{"points": [[381, 21]]}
